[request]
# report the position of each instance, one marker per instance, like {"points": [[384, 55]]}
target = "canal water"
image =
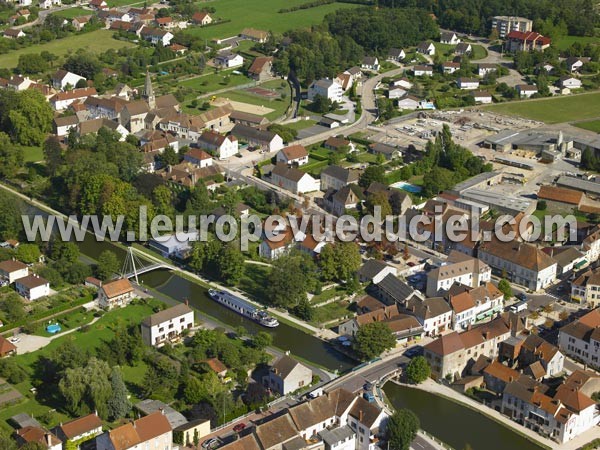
{"points": [[285, 337], [455, 424]]}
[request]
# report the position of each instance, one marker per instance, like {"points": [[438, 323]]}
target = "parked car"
{"points": [[239, 427], [521, 296], [210, 443], [368, 396]]}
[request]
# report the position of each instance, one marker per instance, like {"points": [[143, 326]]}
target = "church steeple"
{"points": [[149, 92]]}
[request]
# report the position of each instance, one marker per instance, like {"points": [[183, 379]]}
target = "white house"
{"points": [[201, 18], [373, 271], [408, 102], [482, 97], [47, 4], [484, 68], [370, 63], [61, 100], [288, 375], [404, 83], [580, 339], [156, 35], [458, 268], [293, 180], [467, 83], [450, 67], [80, 429], [570, 82], [229, 60], [526, 90], [12, 270], [326, 88], [421, 70], [13, 33], [257, 138], [293, 155], [368, 421], [524, 263], [198, 157], [396, 92], [63, 78], [472, 305], [223, 146], [433, 313], [426, 48], [167, 325], [449, 37], [116, 293], [396, 54], [32, 287]]}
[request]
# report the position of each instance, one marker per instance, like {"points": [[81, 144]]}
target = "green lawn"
{"points": [[565, 42], [554, 110], [479, 52], [592, 125], [262, 15], [301, 124], [215, 81], [33, 154], [72, 12], [97, 333], [96, 41]]}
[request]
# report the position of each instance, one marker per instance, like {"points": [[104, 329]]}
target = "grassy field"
{"points": [[592, 125], [566, 41], [263, 16], [215, 81], [96, 41], [554, 110], [72, 12], [301, 124]]}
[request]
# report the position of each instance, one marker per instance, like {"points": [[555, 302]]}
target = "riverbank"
{"points": [[432, 388]]}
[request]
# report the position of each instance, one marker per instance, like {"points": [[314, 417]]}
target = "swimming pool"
{"points": [[53, 329], [412, 188]]}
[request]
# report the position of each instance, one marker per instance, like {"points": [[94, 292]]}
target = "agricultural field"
{"points": [[96, 41], [554, 110], [264, 17], [279, 106]]}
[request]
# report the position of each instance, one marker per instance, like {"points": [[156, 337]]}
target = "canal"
{"points": [[455, 424], [285, 337]]}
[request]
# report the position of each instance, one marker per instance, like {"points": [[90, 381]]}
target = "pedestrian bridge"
{"points": [[145, 269]]}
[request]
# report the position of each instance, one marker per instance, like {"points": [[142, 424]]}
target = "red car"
{"points": [[239, 427]]}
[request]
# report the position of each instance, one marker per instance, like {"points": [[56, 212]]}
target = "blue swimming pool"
{"points": [[53, 329], [412, 188]]}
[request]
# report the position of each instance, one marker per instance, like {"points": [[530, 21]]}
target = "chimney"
{"points": [[510, 379], [487, 335], [162, 411], [360, 416], [48, 439]]}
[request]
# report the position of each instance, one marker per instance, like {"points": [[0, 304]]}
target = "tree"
{"points": [[169, 157], [11, 157], [262, 340], [118, 404], [505, 287], [373, 339], [379, 199], [28, 253], [541, 205], [230, 263], [53, 154], [108, 264], [66, 252], [588, 159], [321, 104], [77, 272], [29, 118], [348, 260], [401, 429], [418, 370], [291, 277], [371, 174], [10, 216]]}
